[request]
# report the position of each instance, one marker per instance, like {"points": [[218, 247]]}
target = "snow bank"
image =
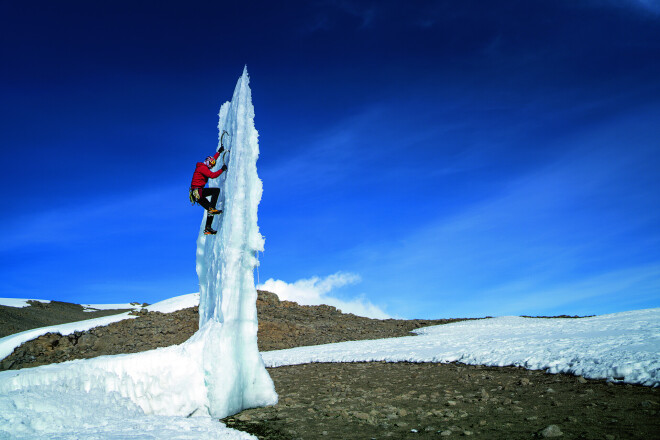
{"points": [[234, 372], [618, 347], [177, 303], [99, 415], [165, 381], [43, 412], [147, 395]]}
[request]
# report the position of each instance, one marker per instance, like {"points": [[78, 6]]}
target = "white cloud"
{"points": [[316, 291]]}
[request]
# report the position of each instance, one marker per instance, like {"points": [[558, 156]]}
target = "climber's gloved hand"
{"points": [[224, 168], [221, 149]]}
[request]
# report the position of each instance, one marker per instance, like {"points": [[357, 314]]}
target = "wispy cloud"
{"points": [[316, 291]]}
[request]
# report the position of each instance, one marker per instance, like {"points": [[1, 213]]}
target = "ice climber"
{"points": [[198, 192]]}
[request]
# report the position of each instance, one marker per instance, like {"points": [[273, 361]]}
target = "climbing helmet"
{"points": [[210, 161]]}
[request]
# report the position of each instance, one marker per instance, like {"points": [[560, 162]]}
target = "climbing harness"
{"points": [[194, 195], [224, 156]]}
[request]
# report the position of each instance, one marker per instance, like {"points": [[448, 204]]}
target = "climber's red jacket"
{"points": [[202, 174]]}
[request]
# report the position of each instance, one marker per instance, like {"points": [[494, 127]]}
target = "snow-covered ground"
{"points": [[618, 347], [173, 304], [112, 397]]}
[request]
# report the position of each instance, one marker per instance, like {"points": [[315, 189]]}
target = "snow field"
{"points": [[618, 347]]}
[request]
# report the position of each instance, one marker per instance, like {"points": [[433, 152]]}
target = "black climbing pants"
{"points": [[214, 193]]}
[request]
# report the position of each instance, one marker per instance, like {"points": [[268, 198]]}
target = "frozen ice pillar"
{"points": [[234, 373]]}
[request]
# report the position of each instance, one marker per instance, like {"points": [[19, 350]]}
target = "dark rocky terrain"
{"points": [[379, 400]]}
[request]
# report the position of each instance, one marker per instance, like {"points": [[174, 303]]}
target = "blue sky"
{"points": [[440, 159]]}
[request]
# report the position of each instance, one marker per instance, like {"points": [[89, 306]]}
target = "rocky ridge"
{"points": [[282, 324]]}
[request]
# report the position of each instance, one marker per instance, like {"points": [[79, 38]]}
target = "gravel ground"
{"points": [[423, 401]]}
